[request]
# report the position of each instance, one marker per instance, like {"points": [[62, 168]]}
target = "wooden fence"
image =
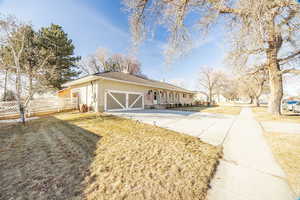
{"points": [[36, 106]]}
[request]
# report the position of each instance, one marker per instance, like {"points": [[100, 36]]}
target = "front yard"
{"points": [[90, 156], [228, 110], [286, 149], [262, 115], [285, 146]]}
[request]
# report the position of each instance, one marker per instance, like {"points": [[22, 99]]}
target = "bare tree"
{"points": [[209, 82], [103, 61], [22, 57], [6, 67], [253, 84], [13, 37], [229, 86], [102, 55], [266, 28], [90, 65]]}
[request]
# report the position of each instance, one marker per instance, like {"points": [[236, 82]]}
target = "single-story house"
{"points": [[113, 91]]}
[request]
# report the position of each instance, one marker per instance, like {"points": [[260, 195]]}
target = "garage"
{"points": [[123, 100]]}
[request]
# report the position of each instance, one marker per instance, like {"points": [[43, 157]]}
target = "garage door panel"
{"points": [[121, 97], [138, 103], [132, 98], [112, 104]]}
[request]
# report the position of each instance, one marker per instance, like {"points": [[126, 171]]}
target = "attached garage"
{"points": [[117, 91], [123, 100]]}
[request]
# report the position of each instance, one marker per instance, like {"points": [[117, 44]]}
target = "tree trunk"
{"points": [[274, 106], [209, 98], [276, 94], [5, 85], [256, 101], [251, 100], [30, 86], [18, 94]]}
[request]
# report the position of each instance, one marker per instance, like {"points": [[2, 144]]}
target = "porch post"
{"points": [[97, 96]]}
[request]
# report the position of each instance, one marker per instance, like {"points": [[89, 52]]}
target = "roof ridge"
{"points": [[154, 80]]}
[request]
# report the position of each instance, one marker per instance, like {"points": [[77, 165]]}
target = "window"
{"points": [[183, 95], [149, 92], [155, 96]]}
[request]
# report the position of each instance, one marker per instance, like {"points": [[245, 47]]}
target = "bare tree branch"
{"points": [[289, 57], [293, 71]]}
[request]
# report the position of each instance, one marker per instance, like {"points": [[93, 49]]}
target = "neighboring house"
{"points": [[64, 93], [220, 99], [200, 96], [110, 91]]}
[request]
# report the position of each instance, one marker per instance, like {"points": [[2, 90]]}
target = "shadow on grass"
{"points": [[46, 159]]}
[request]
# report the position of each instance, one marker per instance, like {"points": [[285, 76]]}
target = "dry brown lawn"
{"points": [[262, 115], [286, 149], [228, 110], [285, 146], [90, 156]]}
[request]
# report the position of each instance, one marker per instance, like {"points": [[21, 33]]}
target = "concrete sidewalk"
{"points": [[248, 170]]}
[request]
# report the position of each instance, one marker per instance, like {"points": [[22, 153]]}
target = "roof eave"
{"points": [[95, 77], [81, 81]]}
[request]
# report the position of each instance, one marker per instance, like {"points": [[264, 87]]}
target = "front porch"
{"points": [[162, 99]]}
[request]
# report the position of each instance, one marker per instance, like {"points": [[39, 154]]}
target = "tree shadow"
{"points": [[46, 159]]}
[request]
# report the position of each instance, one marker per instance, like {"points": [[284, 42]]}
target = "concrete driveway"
{"points": [[248, 170], [211, 128]]}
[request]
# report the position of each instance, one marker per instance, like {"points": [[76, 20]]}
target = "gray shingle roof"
{"points": [[140, 80]]}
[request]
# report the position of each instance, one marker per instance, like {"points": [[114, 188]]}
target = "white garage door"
{"points": [[123, 100]]}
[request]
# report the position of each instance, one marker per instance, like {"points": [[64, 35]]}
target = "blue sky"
{"points": [[102, 23]]}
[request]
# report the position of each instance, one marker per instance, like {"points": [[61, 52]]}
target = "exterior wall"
{"points": [[93, 93], [162, 95], [86, 94]]}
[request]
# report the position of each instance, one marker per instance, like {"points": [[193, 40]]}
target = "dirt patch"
{"points": [[62, 158], [286, 149]]}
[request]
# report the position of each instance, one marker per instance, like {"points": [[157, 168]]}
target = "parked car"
{"points": [[289, 105], [297, 107]]}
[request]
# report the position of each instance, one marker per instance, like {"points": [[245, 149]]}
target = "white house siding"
{"points": [[94, 94], [87, 93]]}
